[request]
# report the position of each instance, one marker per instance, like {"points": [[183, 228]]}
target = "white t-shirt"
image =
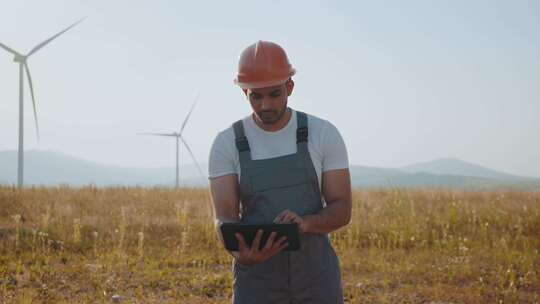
{"points": [[325, 144]]}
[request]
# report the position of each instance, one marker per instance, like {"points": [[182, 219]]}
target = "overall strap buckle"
{"points": [[242, 144], [301, 135], [240, 139]]}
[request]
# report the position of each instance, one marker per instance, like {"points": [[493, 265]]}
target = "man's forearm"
{"points": [[330, 218]]}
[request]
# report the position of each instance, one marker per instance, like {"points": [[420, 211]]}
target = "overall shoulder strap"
{"points": [[242, 144], [302, 131]]}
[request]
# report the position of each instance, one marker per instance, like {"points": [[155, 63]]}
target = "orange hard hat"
{"points": [[263, 64]]}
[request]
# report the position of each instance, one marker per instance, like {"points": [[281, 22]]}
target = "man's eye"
{"points": [[275, 94]]}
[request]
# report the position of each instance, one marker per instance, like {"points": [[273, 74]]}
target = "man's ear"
{"points": [[290, 86]]}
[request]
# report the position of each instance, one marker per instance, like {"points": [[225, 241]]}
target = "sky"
{"points": [[403, 81]]}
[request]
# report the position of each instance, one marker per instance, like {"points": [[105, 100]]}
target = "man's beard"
{"points": [[272, 116]]}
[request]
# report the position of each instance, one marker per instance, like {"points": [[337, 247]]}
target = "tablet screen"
{"points": [[290, 230]]}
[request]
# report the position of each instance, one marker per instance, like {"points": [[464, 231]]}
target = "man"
{"points": [[280, 165]]}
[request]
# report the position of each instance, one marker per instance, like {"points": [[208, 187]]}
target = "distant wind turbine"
{"points": [[23, 67], [179, 138]]}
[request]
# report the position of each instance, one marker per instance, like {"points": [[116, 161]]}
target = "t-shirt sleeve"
{"points": [[334, 151], [221, 160]]}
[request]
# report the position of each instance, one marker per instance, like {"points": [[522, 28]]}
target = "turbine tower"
{"points": [[179, 138], [22, 60]]}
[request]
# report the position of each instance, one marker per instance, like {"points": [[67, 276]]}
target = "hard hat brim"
{"points": [[264, 84]]}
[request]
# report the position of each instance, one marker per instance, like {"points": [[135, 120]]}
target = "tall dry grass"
{"points": [[141, 245]]}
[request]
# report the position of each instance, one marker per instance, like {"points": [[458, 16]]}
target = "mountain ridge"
{"points": [[456, 166], [49, 167]]}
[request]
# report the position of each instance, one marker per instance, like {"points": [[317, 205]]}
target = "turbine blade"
{"points": [[12, 51], [44, 43], [192, 157], [31, 85], [189, 114], [159, 134]]}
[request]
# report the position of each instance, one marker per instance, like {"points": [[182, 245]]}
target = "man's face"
{"points": [[270, 103]]}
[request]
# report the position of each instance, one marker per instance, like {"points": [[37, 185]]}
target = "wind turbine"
{"points": [[23, 67], [179, 138]]}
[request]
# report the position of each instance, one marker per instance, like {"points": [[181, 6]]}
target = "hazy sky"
{"points": [[404, 81]]}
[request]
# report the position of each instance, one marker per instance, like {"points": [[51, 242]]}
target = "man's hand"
{"points": [[250, 256], [288, 216]]}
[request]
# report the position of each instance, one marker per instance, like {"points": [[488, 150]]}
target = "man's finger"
{"points": [[270, 242], [286, 213], [281, 247], [241, 242], [289, 217], [279, 242], [278, 246], [280, 216], [257, 241]]}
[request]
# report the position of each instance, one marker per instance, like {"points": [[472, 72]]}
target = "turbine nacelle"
{"points": [[19, 58]]}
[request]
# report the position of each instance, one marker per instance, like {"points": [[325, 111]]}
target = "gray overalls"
{"points": [[267, 187]]}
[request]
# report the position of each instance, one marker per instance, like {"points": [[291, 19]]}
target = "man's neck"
{"points": [[278, 125]]}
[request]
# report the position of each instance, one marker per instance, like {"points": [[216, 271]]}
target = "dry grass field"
{"points": [[141, 245]]}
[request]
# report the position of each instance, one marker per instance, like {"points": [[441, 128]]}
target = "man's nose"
{"points": [[266, 103]]}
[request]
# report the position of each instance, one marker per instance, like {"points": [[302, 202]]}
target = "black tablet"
{"points": [[290, 230]]}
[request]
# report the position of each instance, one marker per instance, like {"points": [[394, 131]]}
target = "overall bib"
{"points": [[268, 187]]}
